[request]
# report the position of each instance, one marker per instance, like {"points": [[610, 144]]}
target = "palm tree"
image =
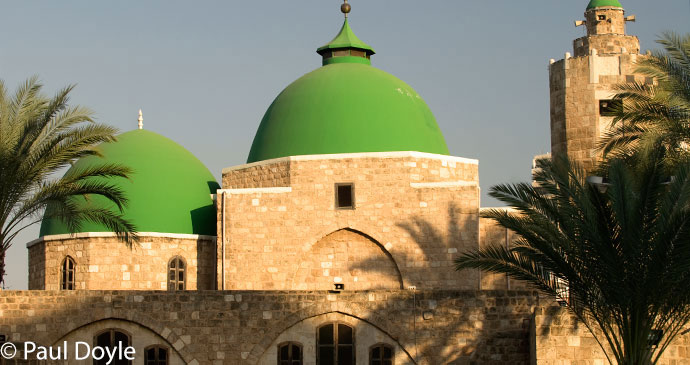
{"points": [[39, 137], [659, 112], [617, 253]]}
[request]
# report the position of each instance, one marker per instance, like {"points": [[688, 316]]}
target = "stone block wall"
{"points": [[605, 57], [577, 85], [612, 24], [245, 327], [258, 176], [490, 233], [104, 263], [416, 210], [606, 45], [348, 258], [560, 338]]}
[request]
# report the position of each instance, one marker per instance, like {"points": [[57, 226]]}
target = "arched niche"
{"points": [[347, 257]]}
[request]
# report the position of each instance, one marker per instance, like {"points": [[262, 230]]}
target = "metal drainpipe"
{"points": [[222, 240]]}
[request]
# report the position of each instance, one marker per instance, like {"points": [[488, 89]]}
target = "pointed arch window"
{"points": [[67, 269], [290, 353], [177, 274], [335, 344], [381, 354]]}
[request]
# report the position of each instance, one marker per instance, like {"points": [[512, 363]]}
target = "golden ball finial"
{"points": [[345, 8]]}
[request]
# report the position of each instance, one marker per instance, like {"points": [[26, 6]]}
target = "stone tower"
{"points": [[581, 86]]}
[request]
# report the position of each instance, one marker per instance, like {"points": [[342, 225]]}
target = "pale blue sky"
{"points": [[204, 72]]}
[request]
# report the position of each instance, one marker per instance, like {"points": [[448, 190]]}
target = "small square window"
{"points": [[345, 196], [608, 108], [601, 17]]}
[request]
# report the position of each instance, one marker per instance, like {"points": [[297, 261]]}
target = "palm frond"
{"points": [[39, 136], [655, 111], [621, 254]]}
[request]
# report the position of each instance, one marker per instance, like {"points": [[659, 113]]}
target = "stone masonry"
{"points": [[283, 243], [604, 58], [104, 263], [244, 327], [414, 212], [559, 338]]}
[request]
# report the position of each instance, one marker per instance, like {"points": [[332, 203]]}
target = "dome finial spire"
{"points": [[141, 120], [345, 8], [346, 47]]}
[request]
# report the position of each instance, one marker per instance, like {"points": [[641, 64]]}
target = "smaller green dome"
{"points": [[169, 189], [604, 3]]}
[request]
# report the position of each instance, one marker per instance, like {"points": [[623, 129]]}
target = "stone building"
{"points": [[333, 244], [582, 85]]}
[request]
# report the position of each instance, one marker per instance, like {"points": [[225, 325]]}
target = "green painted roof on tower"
{"points": [[168, 190], [604, 3], [346, 38], [346, 108]]}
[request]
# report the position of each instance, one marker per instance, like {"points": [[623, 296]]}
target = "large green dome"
{"points": [[168, 191], [346, 106]]}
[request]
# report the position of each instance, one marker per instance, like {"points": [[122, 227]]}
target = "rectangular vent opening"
{"points": [[345, 196]]}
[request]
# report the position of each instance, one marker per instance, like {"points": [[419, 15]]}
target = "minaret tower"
{"points": [[582, 85]]}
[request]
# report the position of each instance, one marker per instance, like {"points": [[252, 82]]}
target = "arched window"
{"points": [[177, 275], [335, 345], [290, 353], [111, 338], [381, 354], [67, 274], [156, 355]]}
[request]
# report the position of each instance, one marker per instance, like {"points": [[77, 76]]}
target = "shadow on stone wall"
{"points": [[37, 271], [433, 245], [353, 258], [206, 267], [465, 327]]}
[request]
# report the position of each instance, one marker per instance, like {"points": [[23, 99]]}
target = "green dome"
{"points": [[604, 3], [346, 108], [168, 190]]}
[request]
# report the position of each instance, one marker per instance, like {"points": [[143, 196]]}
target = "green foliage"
{"points": [[40, 136], [655, 112], [618, 253]]}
